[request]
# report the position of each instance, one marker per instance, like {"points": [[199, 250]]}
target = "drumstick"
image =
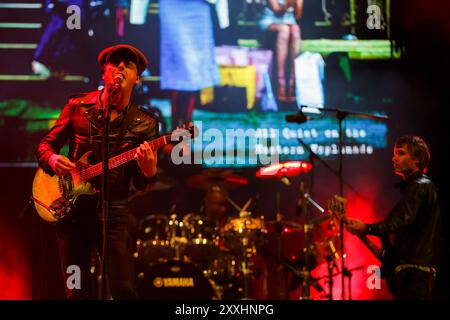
{"points": [[233, 203], [244, 208]]}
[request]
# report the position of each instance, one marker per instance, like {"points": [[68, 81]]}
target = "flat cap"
{"points": [[123, 51]]}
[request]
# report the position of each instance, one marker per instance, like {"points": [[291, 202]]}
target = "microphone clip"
{"points": [[299, 118]]}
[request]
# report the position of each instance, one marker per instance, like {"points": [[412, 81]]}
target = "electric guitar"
{"points": [[337, 207], [55, 196]]}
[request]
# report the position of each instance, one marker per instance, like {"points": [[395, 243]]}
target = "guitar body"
{"points": [[55, 197]]}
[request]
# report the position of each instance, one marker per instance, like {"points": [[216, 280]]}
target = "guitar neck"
{"points": [[377, 252], [125, 157]]}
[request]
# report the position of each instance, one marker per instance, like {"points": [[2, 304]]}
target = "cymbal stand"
{"points": [[331, 264], [248, 250], [313, 281], [278, 231], [306, 271], [176, 240], [246, 272], [330, 277], [306, 197]]}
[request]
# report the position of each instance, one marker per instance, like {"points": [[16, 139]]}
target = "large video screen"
{"points": [[241, 67]]}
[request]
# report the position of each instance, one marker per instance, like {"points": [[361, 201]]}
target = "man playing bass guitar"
{"points": [[411, 233]]}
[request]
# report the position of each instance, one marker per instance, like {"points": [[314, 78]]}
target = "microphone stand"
{"points": [[36, 245], [307, 251], [278, 232], [313, 156], [105, 115], [340, 116]]}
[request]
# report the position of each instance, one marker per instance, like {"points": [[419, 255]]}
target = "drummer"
{"points": [[215, 207]]}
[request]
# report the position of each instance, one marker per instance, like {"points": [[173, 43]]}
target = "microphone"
{"points": [[116, 83], [297, 118], [110, 89], [117, 79]]}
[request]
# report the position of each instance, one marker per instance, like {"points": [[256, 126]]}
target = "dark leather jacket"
{"points": [[78, 124], [413, 226]]}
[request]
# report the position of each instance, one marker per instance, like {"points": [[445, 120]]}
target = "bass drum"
{"points": [[173, 280]]}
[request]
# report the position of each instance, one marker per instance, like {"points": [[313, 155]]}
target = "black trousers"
{"points": [[413, 284], [81, 235]]}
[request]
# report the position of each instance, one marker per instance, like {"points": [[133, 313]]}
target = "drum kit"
{"points": [[193, 256]]}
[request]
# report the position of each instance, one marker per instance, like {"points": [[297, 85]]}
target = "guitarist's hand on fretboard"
{"points": [[146, 159]]}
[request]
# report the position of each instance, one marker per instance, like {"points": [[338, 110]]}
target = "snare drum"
{"points": [[173, 280]]}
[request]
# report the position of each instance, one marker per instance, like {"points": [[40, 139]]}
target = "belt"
{"points": [[415, 266]]}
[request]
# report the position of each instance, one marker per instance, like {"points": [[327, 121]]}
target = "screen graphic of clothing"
{"points": [[187, 45]]}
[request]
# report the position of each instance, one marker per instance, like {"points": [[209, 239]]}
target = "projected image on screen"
{"points": [[279, 68], [264, 66]]}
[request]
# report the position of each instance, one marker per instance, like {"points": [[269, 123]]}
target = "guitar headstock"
{"points": [[185, 131], [193, 130], [337, 206]]}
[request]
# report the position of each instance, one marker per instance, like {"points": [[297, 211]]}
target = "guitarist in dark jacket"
{"points": [[79, 125], [412, 230]]}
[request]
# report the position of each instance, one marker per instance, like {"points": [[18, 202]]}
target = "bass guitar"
{"points": [[337, 207]]}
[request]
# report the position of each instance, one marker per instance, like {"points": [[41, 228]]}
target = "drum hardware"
{"points": [[284, 172], [244, 234], [278, 229], [326, 247], [301, 274], [306, 271]]}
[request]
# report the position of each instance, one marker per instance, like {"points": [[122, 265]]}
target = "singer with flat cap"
{"points": [[81, 125]]}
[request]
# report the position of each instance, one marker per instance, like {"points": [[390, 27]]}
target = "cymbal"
{"points": [[285, 169], [216, 177], [244, 223]]}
